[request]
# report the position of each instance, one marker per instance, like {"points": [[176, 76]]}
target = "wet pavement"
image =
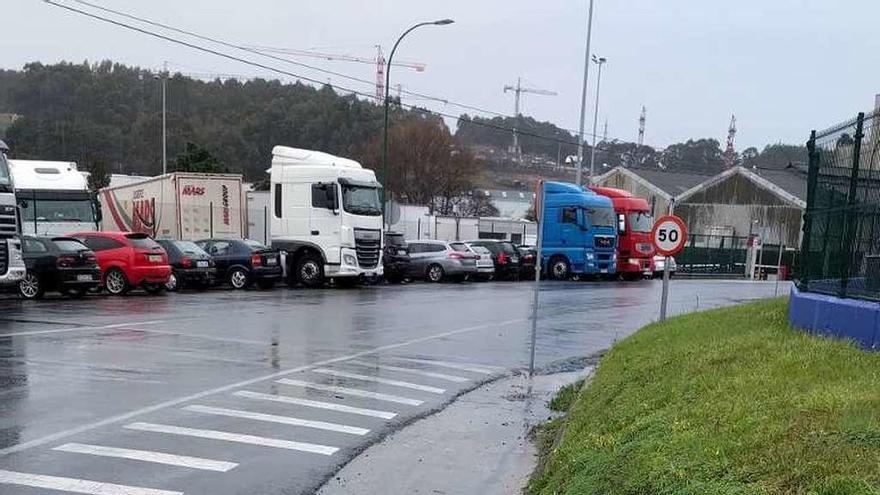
{"points": [[272, 392]]}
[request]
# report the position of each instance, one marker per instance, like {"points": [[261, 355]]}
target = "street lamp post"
{"points": [[600, 61], [441, 22], [580, 144], [164, 127]]}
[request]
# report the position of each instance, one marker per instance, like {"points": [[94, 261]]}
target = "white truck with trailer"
{"points": [[325, 214], [179, 205], [53, 197], [12, 267]]}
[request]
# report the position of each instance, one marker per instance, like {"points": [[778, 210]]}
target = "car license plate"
{"points": [[84, 278], [155, 258], [604, 270], [514, 260], [401, 251], [271, 261], [201, 264]]}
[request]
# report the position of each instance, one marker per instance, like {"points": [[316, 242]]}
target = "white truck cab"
{"points": [[12, 267], [325, 215], [54, 198]]}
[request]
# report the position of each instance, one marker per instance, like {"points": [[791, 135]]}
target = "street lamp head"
{"points": [[443, 22], [599, 60]]}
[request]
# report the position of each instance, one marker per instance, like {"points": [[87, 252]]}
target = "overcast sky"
{"points": [[782, 66]]}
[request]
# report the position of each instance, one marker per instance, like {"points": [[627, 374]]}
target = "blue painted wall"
{"points": [[852, 319]]}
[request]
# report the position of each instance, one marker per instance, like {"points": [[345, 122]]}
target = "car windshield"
{"points": [[61, 210], [189, 247], [509, 248], [69, 245], [255, 246], [640, 222], [458, 246], [394, 240], [361, 200], [142, 241], [480, 250], [600, 217]]}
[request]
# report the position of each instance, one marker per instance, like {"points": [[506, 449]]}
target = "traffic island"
{"points": [[724, 401]]}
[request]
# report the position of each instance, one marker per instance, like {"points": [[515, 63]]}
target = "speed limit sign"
{"points": [[669, 235]]}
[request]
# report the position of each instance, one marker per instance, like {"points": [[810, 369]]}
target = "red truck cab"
{"points": [[635, 253]]}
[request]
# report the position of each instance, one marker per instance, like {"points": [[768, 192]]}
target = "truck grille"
{"points": [[8, 226], [367, 245], [4, 256]]}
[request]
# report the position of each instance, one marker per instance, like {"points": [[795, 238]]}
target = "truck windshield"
{"points": [[600, 217], [640, 222], [361, 200], [57, 210]]}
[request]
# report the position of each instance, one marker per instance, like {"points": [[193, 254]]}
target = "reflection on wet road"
{"points": [[270, 392]]}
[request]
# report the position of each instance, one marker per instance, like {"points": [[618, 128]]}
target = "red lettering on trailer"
{"points": [[225, 204], [190, 190]]}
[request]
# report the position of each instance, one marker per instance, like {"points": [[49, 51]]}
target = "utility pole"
{"points": [[600, 61], [580, 149], [730, 152], [642, 118], [164, 124]]}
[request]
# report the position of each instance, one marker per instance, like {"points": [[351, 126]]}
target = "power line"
{"points": [[267, 67]]}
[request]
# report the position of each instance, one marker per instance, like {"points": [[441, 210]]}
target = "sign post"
{"points": [[669, 237], [539, 217]]}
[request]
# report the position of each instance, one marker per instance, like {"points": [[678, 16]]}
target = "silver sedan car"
{"points": [[436, 261]]}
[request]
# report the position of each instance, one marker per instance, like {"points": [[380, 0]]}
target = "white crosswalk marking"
{"points": [[234, 437], [430, 374], [376, 379], [148, 456], [271, 418], [486, 370], [352, 392], [74, 485], [316, 404]]}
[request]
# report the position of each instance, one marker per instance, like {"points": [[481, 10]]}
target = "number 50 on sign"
{"points": [[669, 235]]}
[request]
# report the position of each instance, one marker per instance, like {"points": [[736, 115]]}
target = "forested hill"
{"points": [[112, 113]]}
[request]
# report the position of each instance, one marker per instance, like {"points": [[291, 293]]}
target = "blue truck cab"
{"points": [[580, 234]]}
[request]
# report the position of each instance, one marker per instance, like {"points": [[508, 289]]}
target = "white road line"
{"points": [[81, 329], [148, 456], [486, 370], [353, 392], [439, 376], [316, 404], [234, 437], [271, 418], [54, 437], [376, 379], [75, 485]]}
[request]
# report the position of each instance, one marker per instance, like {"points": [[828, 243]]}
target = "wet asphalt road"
{"points": [[253, 392]]}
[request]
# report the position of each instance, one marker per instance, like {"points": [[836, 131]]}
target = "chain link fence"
{"points": [[840, 252]]}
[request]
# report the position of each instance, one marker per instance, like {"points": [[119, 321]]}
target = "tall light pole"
{"points": [[441, 22], [580, 149], [600, 61], [164, 127]]}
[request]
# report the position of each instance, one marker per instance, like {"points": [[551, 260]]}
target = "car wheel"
{"points": [[173, 283], [310, 271], [559, 268], [116, 282], [75, 292], [434, 273], [239, 278], [30, 286], [266, 284]]}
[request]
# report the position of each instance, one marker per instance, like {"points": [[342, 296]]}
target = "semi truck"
{"points": [[579, 235], [325, 215], [54, 198], [179, 205], [12, 267], [635, 252]]}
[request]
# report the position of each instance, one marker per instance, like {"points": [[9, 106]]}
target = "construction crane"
{"points": [[519, 90], [642, 118], [379, 61], [729, 152]]}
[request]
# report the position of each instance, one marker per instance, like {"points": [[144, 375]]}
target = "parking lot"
{"points": [[271, 391]]}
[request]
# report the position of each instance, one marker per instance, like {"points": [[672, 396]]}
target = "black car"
{"points": [[527, 257], [505, 256], [395, 257], [244, 262], [191, 266], [57, 263]]}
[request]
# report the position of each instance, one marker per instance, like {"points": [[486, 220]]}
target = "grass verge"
{"points": [[729, 401]]}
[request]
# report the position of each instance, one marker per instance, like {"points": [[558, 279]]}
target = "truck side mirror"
{"points": [[621, 224], [330, 191]]}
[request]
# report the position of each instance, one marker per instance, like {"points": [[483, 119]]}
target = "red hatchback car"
{"points": [[127, 260]]}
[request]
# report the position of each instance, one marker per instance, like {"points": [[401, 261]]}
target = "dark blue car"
{"points": [[242, 263]]}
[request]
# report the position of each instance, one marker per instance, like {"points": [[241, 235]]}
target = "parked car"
{"points": [[60, 264], [527, 257], [505, 256], [128, 260], [395, 257], [191, 266], [485, 265], [242, 263], [660, 264], [436, 261]]}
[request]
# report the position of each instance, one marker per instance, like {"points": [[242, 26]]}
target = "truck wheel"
{"points": [[559, 268], [30, 287], [310, 270], [239, 279], [434, 273], [116, 282]]}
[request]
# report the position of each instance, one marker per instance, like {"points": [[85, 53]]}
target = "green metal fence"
{"points": [[713, 254], [840, 252]]}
